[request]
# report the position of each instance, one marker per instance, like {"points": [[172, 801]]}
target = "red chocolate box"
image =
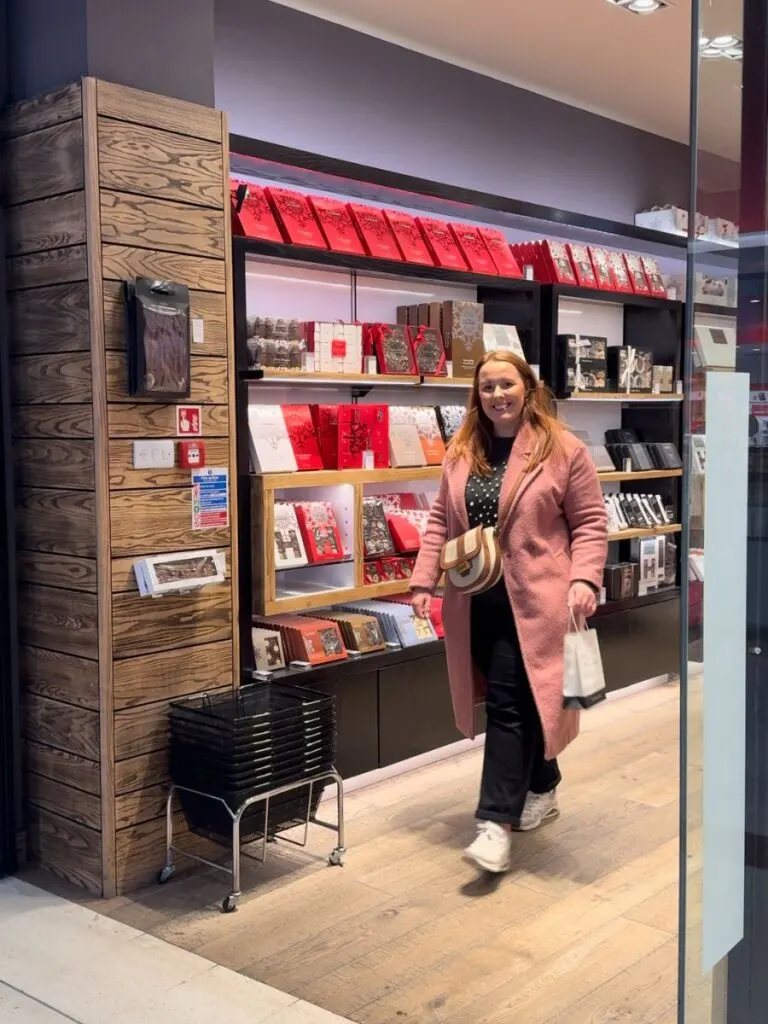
{"points": [[442, 244], [501, 252], [296, 217], [582, 265], [408, 237], [558, 263], [428, 350], [254, 219], [601, 264], [375, 232], [319, 531], [393, 347], [655, 280], [363, 428], [634, 266], [473, 246], [336, 224], [303, 435]]}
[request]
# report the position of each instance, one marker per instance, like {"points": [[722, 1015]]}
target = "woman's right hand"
{"points": [[421, 602]]}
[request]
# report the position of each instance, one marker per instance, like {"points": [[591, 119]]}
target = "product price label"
{"points": [[210, 498]]}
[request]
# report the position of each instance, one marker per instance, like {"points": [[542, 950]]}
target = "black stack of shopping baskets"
{"points": [[238, 746]]}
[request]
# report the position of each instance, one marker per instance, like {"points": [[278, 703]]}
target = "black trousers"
{"points": [[514, 763]]}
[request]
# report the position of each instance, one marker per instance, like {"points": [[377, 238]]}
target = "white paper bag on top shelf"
{"points": [[583, 677]]}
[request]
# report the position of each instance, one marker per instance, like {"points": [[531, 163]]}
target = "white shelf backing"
{"points": [[592, 318], [378, 297], [297, 292]]}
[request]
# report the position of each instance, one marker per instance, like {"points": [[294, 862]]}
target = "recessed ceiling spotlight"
{"points": [[721, 48], [640, 6]]}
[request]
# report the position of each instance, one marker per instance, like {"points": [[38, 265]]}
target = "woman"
{"points": [[507, 643]]}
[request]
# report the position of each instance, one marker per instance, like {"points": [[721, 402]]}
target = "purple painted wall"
{"points": [[300, 81]]}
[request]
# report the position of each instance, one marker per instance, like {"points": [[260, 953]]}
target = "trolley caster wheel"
{"points": [[336, 858], [229, 904], [166, 874]]}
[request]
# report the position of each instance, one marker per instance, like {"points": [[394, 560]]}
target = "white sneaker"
{"points": [[539, 808], [491, 850]]}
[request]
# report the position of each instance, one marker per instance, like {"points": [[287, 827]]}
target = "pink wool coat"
{"points": [[556, 534]]}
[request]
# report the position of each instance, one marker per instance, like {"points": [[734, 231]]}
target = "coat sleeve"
{"points": [[587, 520], [427, 572]]}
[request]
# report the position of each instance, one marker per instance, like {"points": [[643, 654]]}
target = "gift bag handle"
{"points": [[575, 627]]}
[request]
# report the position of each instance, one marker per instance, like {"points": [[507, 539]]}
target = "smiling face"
{"points": [[502, 395]]}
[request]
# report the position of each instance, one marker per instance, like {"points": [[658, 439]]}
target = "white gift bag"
{"points": [[583, 678]]}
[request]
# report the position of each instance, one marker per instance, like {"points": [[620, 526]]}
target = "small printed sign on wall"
{"points": [[210, 498], [189, 421]]}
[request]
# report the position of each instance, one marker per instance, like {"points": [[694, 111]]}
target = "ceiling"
{"points": [[588, 53]]}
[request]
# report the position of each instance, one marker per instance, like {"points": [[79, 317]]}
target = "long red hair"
{"points": [[473, 438]]}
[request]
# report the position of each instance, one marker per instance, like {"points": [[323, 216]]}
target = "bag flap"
{"points": [[461, 549]]}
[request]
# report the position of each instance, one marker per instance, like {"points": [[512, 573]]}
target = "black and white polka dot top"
{"points": [[482, 493]]}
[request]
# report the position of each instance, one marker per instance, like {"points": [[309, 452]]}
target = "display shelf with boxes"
{"points": [[353, 374]]}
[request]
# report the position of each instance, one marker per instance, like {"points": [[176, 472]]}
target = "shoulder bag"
{"points": [[472, 563]]}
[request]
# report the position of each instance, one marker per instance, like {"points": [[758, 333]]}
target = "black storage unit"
{"points": [[396, 704]]}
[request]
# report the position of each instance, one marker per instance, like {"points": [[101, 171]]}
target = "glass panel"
{"points": [[721, 370]]}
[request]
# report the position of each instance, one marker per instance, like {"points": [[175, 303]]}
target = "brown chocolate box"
{"points": [[463, 335]]}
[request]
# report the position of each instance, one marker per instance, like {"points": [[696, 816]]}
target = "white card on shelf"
{"points": [[368, 460], [308, 362], [449, 368], [371, 366]]}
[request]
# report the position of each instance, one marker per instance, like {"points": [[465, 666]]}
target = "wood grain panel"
{"points": [[155, 676], [51, 108], [136, 421], [197, 272], [142, 626], [60, 677], [124, 577], [122, 475], [149, 110], [162, 519], [54, 463], [161, 224], [52, 319], [62, 726], [40, 269], [208, 378], [141, 852], [52, 421], [59, 798], [164, 165], [44, 163], [142, 730], [140, 806], [58, 620], [60, 522], [46, 224], [210, 307], [70, 850], [56, 570], [75, 771], [142, 771], [65, 377]]}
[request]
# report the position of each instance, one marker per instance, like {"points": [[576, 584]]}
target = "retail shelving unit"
{"points": [[394, 704]]}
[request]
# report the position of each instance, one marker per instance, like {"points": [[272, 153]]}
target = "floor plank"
{"points": [[581, 931]]}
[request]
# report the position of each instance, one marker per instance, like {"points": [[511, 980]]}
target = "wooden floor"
{"points": [[583, 929]]}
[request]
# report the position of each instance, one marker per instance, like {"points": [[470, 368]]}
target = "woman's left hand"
{"points": [[582, 600]]}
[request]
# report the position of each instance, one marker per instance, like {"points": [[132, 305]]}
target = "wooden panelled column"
{"points": [[108, 183]]}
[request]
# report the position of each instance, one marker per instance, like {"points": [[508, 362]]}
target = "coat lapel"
{"points": [[458, 486], [518, 460]]}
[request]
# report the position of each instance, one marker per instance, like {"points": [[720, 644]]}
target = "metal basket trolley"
{"points": [[250, 766]]}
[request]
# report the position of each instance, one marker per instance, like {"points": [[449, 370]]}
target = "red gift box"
{"points": [[319, 531], [473, 246], [408, 237], [254, 218], [303, 435], [436, 615], [363, 428], [636, 273], [326, 422], [442, 244], [621, 279], [296, 217], [558, 263], [601, 264], [582, 265], [392, 346], [501, 252], [336, 224], [375, 232], [428, 351], [655, 280], [406, 528]]}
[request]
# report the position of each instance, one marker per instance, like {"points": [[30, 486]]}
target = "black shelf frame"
{"points": [[374, 684]]}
